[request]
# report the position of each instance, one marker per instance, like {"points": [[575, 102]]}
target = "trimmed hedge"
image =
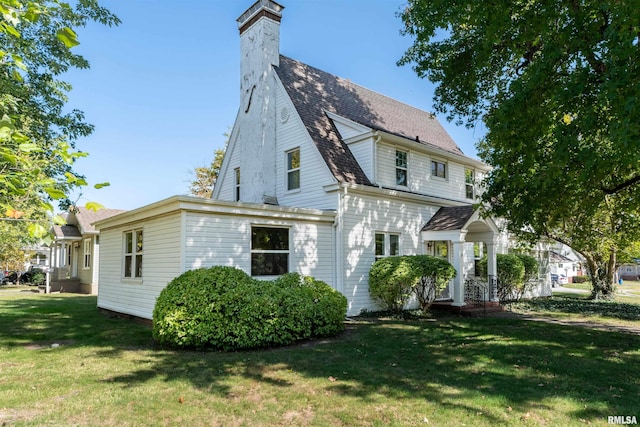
{"points": [[393, 280], [224, 308]]}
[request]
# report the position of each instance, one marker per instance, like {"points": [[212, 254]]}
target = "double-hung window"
{"points": [[401, 168], [133, 254], [293, 169], [87, 254], [438, 169], [269, 251], [386, 244], [469, 182], [478, 252], [236, 188]]}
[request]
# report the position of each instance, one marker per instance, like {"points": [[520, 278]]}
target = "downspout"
{"points": [[375, 157], [338, 226]]}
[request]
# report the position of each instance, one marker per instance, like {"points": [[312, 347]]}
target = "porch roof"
{"points": [[449, 218], [66, 232]]}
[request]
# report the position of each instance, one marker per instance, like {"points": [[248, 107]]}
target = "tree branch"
{"points": [[621, 186]]}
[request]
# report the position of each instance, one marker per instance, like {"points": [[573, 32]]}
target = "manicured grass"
{"points": [[627, 292], [447, 371]]}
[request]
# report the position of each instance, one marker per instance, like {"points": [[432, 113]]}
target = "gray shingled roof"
{"points": [[314, 91], [87, 217], [449, 218], [66, 232]]}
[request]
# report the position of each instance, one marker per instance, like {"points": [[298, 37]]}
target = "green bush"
{"points": [[224, 308], [515, 271], [530, 267], [579, 279], [393, 280]]}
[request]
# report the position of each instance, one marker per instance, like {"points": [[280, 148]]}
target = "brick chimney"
{"points": [[260, 50]]}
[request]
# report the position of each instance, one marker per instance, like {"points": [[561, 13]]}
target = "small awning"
{"points": [[66, 232], [459, 223]]}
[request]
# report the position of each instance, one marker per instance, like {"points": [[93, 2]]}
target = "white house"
{"points": [[321, 177], [74, 252]]}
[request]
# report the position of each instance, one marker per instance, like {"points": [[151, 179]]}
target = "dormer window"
{"points": [[293, 169], [438, 169], [401, 168]]}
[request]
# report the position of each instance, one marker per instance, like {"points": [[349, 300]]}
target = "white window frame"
{"points": [[293, 170], [387, 245], [402, 167], [436, 162], [469, 184], [255, 251], [478, 253], [86, 254], [136, 254], [236, 187]]}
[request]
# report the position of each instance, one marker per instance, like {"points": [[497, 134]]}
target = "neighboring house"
{"points": [[321, 177], [564, 260], [74, 252], [630, 271]]}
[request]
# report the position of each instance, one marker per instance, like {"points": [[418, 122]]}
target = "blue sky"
{"points": [[163, 86]]}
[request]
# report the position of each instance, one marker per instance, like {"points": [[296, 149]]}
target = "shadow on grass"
{"points": [[454, 362], [35, 320], [580, 305]]}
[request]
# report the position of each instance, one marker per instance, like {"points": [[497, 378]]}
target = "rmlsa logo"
{"points": [[622, 419]]}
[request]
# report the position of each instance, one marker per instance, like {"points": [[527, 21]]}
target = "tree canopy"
{"points": [[205, 177], [557, 85], [37, 133]]}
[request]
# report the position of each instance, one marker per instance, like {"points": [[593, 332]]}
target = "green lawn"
{"points": [[627, 292], [63, 363]]}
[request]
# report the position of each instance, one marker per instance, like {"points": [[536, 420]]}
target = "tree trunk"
{"points": [[602, 274]]}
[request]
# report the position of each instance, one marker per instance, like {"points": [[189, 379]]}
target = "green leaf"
{"points": [[67, 36], [58, 220], [28, 147], [94, 206], [37, 230], [101, 185], [54, 193]]}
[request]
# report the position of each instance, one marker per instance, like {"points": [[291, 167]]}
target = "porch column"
{"points": [[458, 281], [492, 271]]}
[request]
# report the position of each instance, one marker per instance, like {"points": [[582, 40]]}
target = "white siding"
{"points": [[363, 152], [213, 239], [226, 182], [363, 217], [161, 263], [419, 173], [193, 238], [314, 173]]}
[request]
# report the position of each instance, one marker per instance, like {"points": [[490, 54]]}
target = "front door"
{"points": [[440, 249]]}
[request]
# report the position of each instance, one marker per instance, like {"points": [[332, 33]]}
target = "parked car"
{"points": [[9, 277], [558, 279], [34, 275]]}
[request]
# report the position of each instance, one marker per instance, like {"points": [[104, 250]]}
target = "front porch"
{"points": [[480, 298], [461, 236]]}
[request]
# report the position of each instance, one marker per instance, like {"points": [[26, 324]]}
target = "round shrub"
{"points": [[393, 280], [224, 308]]}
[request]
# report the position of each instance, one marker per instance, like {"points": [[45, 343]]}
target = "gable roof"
{"points": [[449, 218], [86, 217], [315, 92], [66, 232]]}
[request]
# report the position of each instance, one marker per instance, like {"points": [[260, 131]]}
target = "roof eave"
{"points": [[430, 148]]}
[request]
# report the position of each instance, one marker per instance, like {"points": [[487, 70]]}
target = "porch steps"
{"points": [[472, 310]]}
